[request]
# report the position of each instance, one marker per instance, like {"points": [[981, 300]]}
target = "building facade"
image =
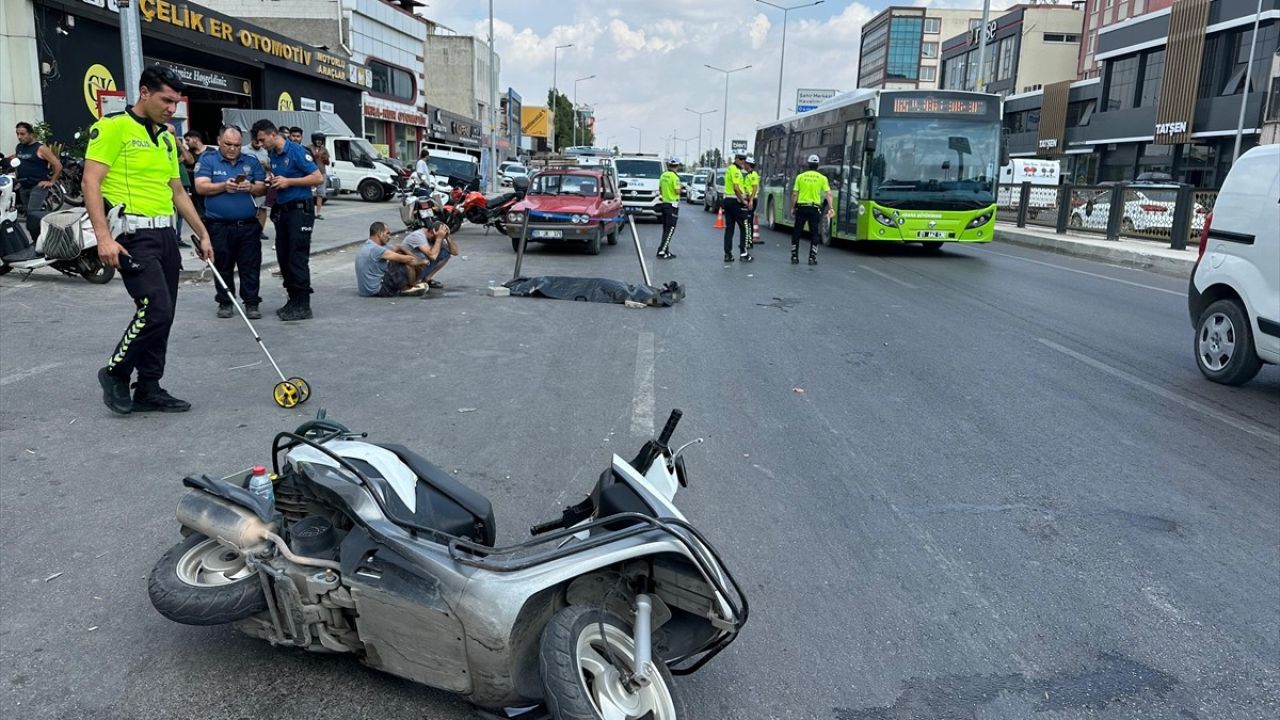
{"points": [[385, 36], [1101, 14], [1136, 118], [19, 73], [458, 66], [902, 46], [225, 62], [1026, 48]]}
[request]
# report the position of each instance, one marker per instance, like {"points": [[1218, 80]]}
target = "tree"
{"points": [[711, 158], [563, 109]]}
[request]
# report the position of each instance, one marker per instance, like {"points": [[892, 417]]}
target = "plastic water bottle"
{"points": [[260, 484]]}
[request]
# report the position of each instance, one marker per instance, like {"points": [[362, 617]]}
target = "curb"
{"points": [[1114, 254]]}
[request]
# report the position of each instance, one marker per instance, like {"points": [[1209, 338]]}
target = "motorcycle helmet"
{"points": [[317, 138]]}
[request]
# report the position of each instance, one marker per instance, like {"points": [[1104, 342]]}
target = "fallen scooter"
{"points": [[66, 243], [369, 549]]}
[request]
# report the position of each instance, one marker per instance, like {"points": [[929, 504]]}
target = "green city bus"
{"points": [[905, 165]]}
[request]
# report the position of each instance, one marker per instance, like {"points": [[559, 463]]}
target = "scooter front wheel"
{"points": [[200, 581], [585, 655]]}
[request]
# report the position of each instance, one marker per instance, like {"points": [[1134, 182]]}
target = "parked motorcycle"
{"points": [[490, 210], [420, 202], [66, 242], [68, 186], [366, 548]]}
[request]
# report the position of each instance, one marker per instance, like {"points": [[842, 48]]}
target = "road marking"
{"points": [[889, 277], [24, 374], [1090, 274], [642, 401], [1201, 408]]}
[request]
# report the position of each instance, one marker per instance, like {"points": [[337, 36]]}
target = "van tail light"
{"points": [[1204, 235], [1154, 208]]}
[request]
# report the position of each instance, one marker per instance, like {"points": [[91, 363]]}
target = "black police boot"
{"points": [[287, 308], [795, 259], [225, 310], [728, 257], [253, 311], [148, 396], [301, 309], [115, 393], [746, 257]]}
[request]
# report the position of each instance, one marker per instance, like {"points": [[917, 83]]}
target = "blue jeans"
{"points": [[33, 198]]}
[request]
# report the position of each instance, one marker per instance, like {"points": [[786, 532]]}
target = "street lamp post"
{"points": [[783, 61], [724, 129], [493, 110], [639, 139], [982, 47], [699, 114], [555, 89], [1248, 77], [575, 106]]}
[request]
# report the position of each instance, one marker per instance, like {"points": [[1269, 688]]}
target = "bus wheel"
{"points": [[773, 219]]}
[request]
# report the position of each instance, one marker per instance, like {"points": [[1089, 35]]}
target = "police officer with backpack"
{"points": [[808, 193]]}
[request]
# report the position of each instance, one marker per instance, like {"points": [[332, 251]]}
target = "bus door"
{"points": [[850, 186]]}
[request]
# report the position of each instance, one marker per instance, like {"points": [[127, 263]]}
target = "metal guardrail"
{"points": [[1168, 213]]}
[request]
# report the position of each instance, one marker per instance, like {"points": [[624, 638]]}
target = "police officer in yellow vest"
{"points": [[808, 194], [132, 164], [751, 183], [669, 207], [736, 213]]}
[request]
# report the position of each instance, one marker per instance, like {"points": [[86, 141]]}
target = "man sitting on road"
{"points": [[433, 245], [383, 271]]}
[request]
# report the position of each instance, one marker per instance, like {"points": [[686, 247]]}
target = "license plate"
{"points": [[548, 233], [931, 234]]}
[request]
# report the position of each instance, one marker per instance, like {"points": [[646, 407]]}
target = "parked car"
{"points": [[698, 187], [686, 181], [1234, 294], [510, 171], [585, 198], [1147, 208], [714, 189]]}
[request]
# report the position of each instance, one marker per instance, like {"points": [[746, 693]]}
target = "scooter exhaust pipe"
{"points": [[221, 520]]}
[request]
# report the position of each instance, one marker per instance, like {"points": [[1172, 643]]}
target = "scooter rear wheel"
{"points": [[584, 655], [199, 581]]}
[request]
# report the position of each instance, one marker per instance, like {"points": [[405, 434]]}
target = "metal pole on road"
{"points": [[724, 130], [639, 139], [982, 46], [493, 110], [700, 114], [555, 90], [130, 48], [777, 113], [1248, 76]]}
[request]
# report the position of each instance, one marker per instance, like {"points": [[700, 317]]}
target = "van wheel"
{"points": [[371, 191], [1224, 344]]}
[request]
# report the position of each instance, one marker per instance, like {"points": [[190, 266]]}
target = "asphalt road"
{"points": [[987, 483]]}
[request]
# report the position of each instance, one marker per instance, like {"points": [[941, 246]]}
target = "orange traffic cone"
{"points": [[720, 219]]}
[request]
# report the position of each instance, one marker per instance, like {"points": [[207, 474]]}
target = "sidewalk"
{"points": [[1140, 254], [346, 222]]}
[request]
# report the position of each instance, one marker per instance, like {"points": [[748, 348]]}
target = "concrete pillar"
{"points": [[20, 97]]}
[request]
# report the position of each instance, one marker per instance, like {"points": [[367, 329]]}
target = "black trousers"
{"points": [[670, 214], [153, 285], [293, 222], [736, 215], [237, 245], [807, 219]]}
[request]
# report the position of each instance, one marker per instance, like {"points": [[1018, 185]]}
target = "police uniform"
{"points": [[32, 171], [142, 158], [669, 209], [294, 216], [735, 214], [232, 220], [751, 187], [810, 188]]}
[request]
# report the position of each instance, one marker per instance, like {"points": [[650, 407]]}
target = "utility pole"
{"points": [[493, 110], [1248, 76], [783, 61], [982, 47], [639, 139], [724, 130], [130, 49], [555, 91], [700, 114]]}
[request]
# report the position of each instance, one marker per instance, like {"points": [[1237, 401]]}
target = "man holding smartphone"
{"points": [[228, 180]]}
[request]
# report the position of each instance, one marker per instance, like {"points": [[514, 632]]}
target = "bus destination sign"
{"points": [[939, 106]]}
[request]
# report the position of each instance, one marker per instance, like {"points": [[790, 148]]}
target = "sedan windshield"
{"points": [[564, 184], [935, 163]]}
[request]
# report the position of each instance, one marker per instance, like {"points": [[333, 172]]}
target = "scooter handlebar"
{"points": [[670, 428]]}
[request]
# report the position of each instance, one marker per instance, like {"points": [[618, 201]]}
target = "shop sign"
{"points": [[1171, 128], [97, 79], [382, 112], [1049, 144], [256, 42], [285, 102], [535, 121], [306, 103], [326, 106], [987, 36], [208, 79]]}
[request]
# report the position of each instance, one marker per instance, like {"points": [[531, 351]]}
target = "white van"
{"points": [[638, 177], [1044, 176], [1234, 298], [354, 161], [452, 163]]}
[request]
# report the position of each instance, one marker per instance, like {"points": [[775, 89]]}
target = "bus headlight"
{"points": [[884, 219], [979, 221]]}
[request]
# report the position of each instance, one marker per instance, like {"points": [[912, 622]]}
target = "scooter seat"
{"points": [[443, 503], [496, 200]]}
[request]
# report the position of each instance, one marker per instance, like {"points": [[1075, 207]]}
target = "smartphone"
{"points": [[240, 178]]}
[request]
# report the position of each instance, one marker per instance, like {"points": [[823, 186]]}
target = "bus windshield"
{"points": [[936, 163]]}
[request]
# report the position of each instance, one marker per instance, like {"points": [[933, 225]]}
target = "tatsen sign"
{"points": [[1171, 128]]}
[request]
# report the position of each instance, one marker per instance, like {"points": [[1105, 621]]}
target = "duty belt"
{"points": [[134, 223]]}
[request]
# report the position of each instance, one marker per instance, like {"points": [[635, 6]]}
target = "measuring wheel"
{"points": [[304, 390], [287, 395]]}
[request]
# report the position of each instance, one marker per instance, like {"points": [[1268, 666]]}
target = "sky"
{"points": [[648, 59]]}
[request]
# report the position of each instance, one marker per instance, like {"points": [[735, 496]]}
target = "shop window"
{"points": [[1156, 158], [932, 26], [1152, 74], [1121, 83], [391, 81]]}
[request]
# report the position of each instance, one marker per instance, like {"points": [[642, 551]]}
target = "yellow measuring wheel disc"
{"points": [[304, 389], [286, 394]]}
